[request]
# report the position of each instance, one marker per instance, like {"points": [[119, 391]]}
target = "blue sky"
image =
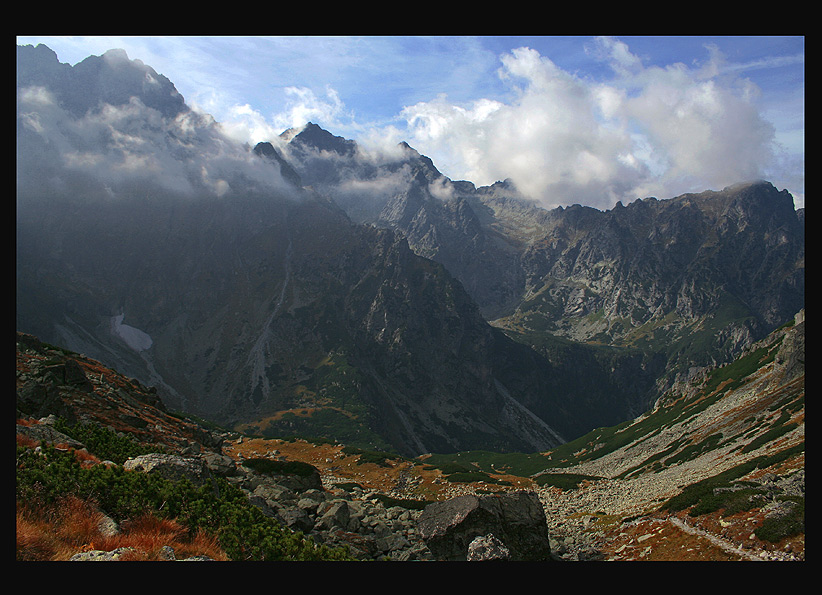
{"points": [[570, 119]]}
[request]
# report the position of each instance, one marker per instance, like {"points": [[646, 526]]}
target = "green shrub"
{"points": [[772, 434], [451, 467], [217, 507], [271, 467], [730, 502], [378, 457], [106, 444], [775, 529], [564, 481], [694, 494], [472, 476]]}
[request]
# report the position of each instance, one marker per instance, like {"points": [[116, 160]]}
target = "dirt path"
{"points": [[721, 543]]}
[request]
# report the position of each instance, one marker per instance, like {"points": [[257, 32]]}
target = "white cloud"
{"points": [[383, 185], [305, 106], [244, 124], [562, 137], [565, 139], [550, 141], [441, 188]]}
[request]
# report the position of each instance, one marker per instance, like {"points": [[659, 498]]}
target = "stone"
{"points": [[295, 519], [71, 374], [46, 433], [101, 556], [39, 399], [335, 516], [516, 519], [307, 479], [392, 542], [172, 467], [107, 526], [308, 505], [487, 548], [272, 492], [220, 464]]}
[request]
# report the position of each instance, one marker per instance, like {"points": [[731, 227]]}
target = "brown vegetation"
{"points": [[57, 532]]}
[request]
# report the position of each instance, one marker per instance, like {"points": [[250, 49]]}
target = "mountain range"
{"points": [[306, 286]]}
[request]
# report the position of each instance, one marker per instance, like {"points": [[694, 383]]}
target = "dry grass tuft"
{"points": [[57, 532], [149, 534], [27, 441], [72, 526]]}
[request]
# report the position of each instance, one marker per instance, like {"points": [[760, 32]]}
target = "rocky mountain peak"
{"points": [[108, 79], [314, 137], [267, 150]]}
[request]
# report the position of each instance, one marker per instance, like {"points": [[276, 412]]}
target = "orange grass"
{"points": [[57, 532], [27, 441], [73, 526], [148, 534]]}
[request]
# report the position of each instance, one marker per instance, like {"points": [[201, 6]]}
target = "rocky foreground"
{"points": [[405, 510]]}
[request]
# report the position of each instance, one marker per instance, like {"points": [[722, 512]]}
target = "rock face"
{"points": [[696, 277], [674, 284], [577, 271], [515, 519]]}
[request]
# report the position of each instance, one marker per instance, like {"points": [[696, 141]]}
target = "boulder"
{"points": [[295, 518], [170, 467], [220, 464], [334, 515], [516, 519], [294, 475], [46, 433], [69, 373], [39, 399]]}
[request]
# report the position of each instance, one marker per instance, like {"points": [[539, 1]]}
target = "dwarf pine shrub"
{"points": [[216, 508]]}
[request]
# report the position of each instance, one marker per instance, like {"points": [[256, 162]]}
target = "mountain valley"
{"points": [[419, 337]]}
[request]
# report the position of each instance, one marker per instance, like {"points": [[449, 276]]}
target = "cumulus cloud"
{"points": [[306, 106], [564, 139], [245, 124]]}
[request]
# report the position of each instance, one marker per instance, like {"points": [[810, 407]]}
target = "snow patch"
{"points": [[134, 337]]}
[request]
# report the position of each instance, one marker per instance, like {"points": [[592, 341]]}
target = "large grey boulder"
{"points": [[334, 515], [170, 467], [69, 373], [516, 519], [220, 464]]}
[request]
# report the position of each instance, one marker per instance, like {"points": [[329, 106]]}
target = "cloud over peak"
{"points": [[118, 143], [567, 139]]}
